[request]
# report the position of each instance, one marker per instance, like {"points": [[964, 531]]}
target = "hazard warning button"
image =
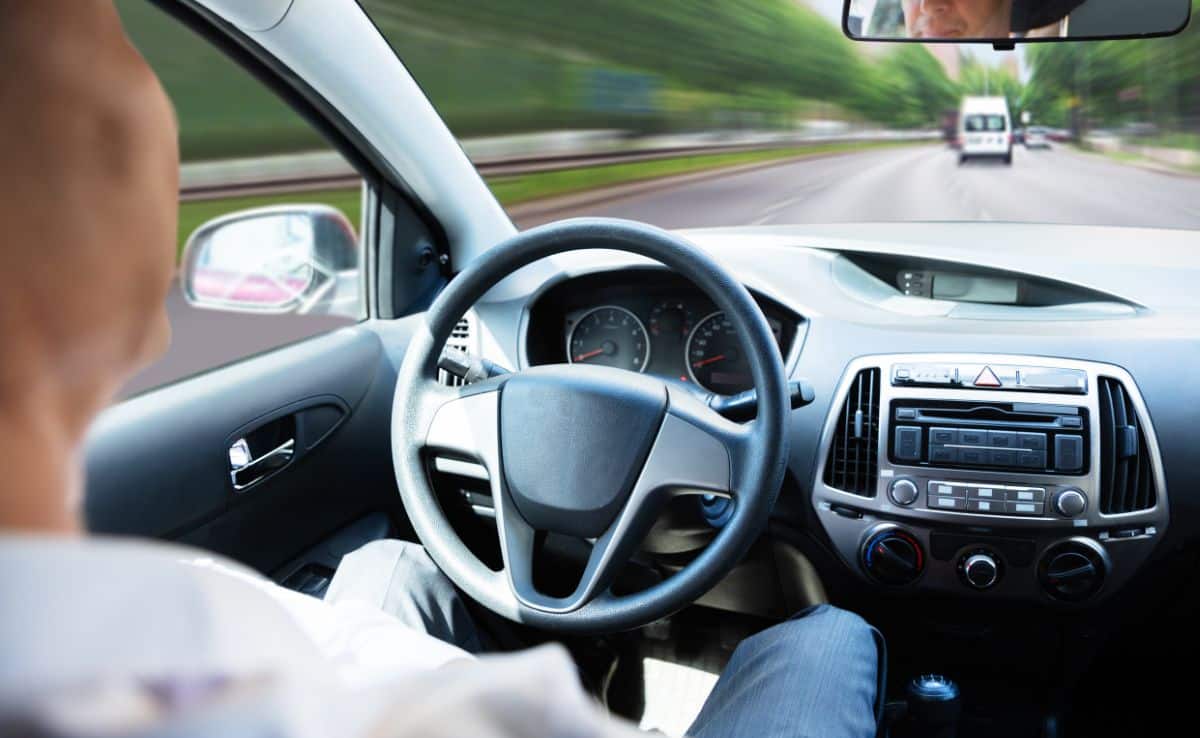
{"points": [[987, 378]]}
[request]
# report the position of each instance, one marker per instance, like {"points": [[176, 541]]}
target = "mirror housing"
{"points": [[1004, 23], [299, 259]]}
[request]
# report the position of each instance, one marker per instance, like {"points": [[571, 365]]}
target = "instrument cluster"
{"points": [[648, 321]]}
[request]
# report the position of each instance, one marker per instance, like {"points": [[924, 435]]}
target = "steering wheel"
{"points": [[587, 451]]}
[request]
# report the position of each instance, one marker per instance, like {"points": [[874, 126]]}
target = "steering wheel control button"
{"points": [[1070, 503], [893, 557], [979, 570], [1068, 453], [908, 443], [904, 492]]}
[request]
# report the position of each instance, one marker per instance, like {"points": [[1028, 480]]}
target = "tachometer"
{"points": [[714, 357], [609, 336]]}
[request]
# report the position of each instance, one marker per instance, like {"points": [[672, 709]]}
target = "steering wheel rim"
{"points": [[468, 422]]}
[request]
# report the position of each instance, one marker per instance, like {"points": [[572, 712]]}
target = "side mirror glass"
{"points": [[288, 259]]}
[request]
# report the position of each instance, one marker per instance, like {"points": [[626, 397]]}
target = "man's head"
{"points": [[89, 173], [957, 18]]}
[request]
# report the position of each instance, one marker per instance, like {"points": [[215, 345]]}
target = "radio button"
{"points": [[1027, 459], [1003, 457], [976, 456], [1068, 453], [985, 493], [942, 454], [1002, 439], [943, 435], [908, 443], [990, 507], [1027, 495], [1032, 441], [945, 489], [947, 503], [1025, 508], [972, 437]]}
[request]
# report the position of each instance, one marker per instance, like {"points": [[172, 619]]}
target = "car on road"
{"points": [[650, 420], [985, 129], [1037, 138]]}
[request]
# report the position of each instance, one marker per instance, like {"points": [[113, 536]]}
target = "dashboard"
{"points": [[1000, 412], [649, 320]]}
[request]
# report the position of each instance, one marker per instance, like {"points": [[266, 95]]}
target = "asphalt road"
{"points": [[924, 183], [911, 183]]}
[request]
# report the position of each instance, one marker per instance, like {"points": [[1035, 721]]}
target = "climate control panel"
{"points": [[990, 476]]}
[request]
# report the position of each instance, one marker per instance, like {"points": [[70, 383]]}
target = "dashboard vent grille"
{"points": [[853, 463], [1126, 474], [460, 338]]}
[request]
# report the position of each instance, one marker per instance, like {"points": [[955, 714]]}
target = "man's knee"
{"points": [[824, 636]]}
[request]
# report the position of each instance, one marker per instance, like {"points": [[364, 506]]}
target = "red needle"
{"points": [[590, 354], [706, 362]]}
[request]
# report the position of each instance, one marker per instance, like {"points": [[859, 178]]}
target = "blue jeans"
{"points": [[817, 675]]}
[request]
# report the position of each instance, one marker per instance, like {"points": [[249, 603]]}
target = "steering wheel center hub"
{"points": [[573, 440]]}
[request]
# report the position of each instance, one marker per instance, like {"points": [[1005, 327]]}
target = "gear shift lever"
{"points": [[933, 707]]}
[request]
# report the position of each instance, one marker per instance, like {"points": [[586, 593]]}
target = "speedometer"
{"points": [[609, 336], [715, 360]]}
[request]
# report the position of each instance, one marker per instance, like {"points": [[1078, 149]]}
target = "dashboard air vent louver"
{"points": [[853, 463], [460, 338], [1126, 473]]}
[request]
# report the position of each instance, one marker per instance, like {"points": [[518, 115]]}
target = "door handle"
{"points": [[246, 471]]}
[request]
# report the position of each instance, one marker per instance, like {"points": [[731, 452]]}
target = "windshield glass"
{"points": [[742, 112]]}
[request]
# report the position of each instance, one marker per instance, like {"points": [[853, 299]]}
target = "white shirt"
{"points": [[101, 637]]}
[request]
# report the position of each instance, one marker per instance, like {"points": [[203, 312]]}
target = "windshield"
{"points": [[750, 112]]}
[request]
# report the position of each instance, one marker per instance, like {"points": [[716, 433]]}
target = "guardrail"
{"points": [[328, 170]]}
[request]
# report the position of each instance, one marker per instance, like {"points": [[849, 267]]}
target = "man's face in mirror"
{"points": [[957, 18]]}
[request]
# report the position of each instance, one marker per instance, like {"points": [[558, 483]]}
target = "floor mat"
{"points": [[674, 694]]}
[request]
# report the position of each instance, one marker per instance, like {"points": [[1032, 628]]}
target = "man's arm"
{"points": [[88, 205]]}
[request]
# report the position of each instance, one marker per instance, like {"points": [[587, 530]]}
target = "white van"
{"points": [[985, 129]]}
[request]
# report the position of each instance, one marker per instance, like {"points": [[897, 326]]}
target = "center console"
{"points": [[991, 475]]}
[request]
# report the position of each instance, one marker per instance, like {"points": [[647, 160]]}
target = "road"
{"points": [[911, 183], [923, 183]]}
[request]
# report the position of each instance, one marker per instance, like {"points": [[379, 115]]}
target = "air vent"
{"points": [[460, 338], [853, 463], [1126, 473]]}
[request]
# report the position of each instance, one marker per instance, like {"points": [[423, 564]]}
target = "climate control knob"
{"points": [[980, 570], [1069, 503], [1073, 570], [904, 492], [893, 557]]}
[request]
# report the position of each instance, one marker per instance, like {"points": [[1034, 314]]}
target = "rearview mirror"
{"points": [[287, 259], [1006, 22]]}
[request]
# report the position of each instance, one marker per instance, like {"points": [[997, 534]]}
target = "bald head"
{"points": [[88, 206]]}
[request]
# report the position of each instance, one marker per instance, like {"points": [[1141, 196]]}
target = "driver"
{"points": [[968, 19], [121, 637]]}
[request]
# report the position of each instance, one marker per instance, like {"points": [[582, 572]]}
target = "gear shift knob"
{"points": [[933, 706]]}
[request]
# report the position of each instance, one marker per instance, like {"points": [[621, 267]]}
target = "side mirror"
{"points": [[299, 259]]}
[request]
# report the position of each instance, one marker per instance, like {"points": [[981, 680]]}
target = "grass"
{"points": [[523, 188]]}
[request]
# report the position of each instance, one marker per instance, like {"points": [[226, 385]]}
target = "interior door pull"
{"points": [[247, 471]]}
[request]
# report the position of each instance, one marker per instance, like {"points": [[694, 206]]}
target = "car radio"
{"points": [[1003, 436]]}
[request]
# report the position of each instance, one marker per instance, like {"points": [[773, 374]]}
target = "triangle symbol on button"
{"points": [[987, 378]]}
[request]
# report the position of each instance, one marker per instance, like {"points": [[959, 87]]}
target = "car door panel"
{"points": [[158, 465]]}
